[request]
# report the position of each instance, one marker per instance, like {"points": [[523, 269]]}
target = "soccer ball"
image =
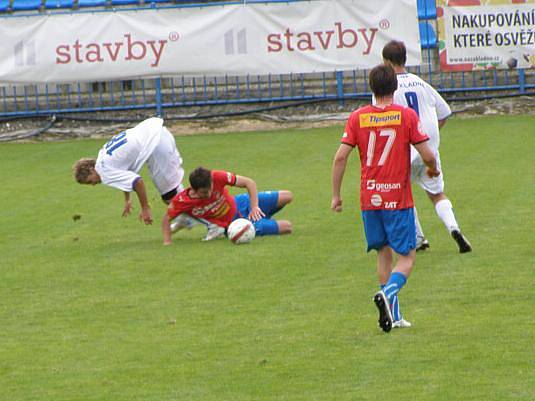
{"points": [[241, 231], [512, 63]]}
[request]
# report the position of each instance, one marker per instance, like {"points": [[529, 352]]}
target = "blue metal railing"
{"points": [[161, 93]]}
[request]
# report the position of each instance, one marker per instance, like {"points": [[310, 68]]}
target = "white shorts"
{"points": [[433, 185], [165, 164]]}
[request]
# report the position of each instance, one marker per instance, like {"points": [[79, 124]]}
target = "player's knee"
{"points": [[285, 227], [285, 197], [435, 198], [405, 263]]}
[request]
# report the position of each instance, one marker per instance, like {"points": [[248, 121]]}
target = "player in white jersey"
{"points": [[433, 111], [120, 160]]}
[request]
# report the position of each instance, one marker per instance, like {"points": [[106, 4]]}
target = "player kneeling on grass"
{"points": [[208, 201]]}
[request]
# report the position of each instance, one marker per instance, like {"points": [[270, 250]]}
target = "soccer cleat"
{"points": [[182, 221], [385, 315], [462, 242], [401, 324], [214, 231], [421, 244]]}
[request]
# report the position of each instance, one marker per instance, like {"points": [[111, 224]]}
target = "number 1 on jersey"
{"points": [[115, 142], [391, 134]]}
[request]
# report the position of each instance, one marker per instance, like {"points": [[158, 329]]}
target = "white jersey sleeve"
{"points": [[443, 108], [120, 159]]}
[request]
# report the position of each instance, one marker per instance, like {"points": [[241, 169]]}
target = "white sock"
{"points": [[419, 231], [444, 209]]}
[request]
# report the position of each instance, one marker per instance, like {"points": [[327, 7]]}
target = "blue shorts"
{"points": [[267, 201], [394, 228]]}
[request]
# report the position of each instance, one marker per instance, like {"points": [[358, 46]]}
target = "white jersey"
{"points": [[417, 94], [120, 159]]}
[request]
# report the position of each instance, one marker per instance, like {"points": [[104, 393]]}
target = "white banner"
{"points": [[496, 36], [276, 38]]}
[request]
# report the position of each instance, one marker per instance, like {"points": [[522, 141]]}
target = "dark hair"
{"points": [[395, 53], [383, 80], [200, 178]]}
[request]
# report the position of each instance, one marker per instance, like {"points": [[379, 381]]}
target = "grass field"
{"points": [[98, 309]]}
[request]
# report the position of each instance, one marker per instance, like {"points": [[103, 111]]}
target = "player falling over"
{"points": [[119, 161], [383, 134], [207, 200], [433, 111]]}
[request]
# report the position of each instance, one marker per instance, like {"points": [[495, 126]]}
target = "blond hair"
{"points": [[83, 169]]}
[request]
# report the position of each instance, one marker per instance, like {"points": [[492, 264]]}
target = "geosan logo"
{"points": [[126, 50], [382, 186]]}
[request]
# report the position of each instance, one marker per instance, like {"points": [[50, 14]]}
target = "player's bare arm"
{"points": [[145, 213], [429, 158], [127, 204], [338, 170], [166, 229], [248, 183], [441, 123]]}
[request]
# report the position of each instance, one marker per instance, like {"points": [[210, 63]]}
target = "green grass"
{"points": [[98, 309]]}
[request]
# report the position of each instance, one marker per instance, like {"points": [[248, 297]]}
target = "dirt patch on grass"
{"points": [[200, 121]]}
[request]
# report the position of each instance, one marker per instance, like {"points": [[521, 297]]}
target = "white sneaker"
{"points": [[421, 244], [401, 324], [214, 231], [182, 221]]}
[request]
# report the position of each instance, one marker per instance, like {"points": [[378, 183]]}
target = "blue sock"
{"points": [[394, 285], [394, 307]]}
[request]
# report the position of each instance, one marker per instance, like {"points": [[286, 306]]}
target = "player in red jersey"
{"points": [[383, 134], [208, 201]]}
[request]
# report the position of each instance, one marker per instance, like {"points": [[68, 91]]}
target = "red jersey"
{"points": [[383, 136], [219, 208]]}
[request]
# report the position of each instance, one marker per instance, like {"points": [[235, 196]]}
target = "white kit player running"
{"points": [[433, 111], [120, 160]]}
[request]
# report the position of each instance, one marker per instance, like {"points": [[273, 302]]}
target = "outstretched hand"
{"points": [[127, 208], [256, 213], [336, 204], [146, 216]]}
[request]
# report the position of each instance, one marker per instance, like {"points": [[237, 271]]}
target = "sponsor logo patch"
{"points": [[382, 186], [376, 200], [380, 119]]}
